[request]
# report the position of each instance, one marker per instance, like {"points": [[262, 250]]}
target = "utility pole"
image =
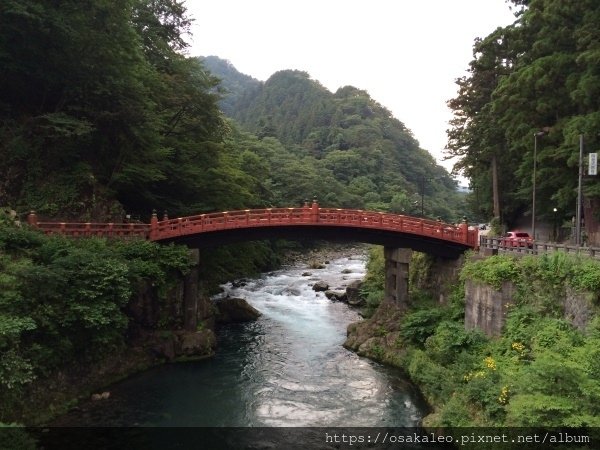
{"points": [[578, 212]]}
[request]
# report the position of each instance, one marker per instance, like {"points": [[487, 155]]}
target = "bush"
{"points": [[418, 325], [62, 300], [451, 339], [493, 271]]}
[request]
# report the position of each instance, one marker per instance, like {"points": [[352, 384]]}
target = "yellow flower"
{"points": [[519, 347], [490, 363], [504, 393]]}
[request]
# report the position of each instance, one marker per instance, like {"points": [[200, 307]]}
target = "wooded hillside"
{"points": [[539, 76], [103, 114]]}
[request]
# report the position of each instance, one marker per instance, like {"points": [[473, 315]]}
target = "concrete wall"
{"points": [[578, 307], [444, 276], [396, 275], [486, 307]]}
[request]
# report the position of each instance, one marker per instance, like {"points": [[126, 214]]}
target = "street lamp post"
{"points": [[555, 228], [535, 139]]}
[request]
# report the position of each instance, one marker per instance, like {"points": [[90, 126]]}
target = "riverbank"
{"points": [[288, 368], [58, 391], [541, 371]]}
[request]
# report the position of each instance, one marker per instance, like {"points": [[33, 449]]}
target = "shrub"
{"points": [[418, 325], [493, 271]]}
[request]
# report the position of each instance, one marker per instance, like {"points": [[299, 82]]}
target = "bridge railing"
{"points": [[401, 223], [537, 248], [230, 219], [90, 229], [307, 215]]}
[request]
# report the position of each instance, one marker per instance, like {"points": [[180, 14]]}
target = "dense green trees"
{"points": [[541, 371], [539, 74], [98, 104], [63, 301], [343, 147]]}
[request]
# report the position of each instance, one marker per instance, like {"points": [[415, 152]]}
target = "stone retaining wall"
{"points": [[486, 307]]}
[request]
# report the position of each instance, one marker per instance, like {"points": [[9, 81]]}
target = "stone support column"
{"points": [[191, 293], [396, 275]]}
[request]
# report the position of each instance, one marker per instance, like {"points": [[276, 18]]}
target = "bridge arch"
{"points": [[312, 222], [397, 233]]}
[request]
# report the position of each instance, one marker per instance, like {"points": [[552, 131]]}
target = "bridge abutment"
{"points": [[396, 274]]}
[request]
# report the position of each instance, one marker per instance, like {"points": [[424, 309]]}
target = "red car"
{"points": [[517, 239]]}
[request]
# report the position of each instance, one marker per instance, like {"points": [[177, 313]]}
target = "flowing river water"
{"points": [[287, 369]]}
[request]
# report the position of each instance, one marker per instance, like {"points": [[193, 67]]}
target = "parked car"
{"points": [[517, 239]]}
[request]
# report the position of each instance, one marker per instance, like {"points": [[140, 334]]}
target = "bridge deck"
{"points": [[309, 215]]}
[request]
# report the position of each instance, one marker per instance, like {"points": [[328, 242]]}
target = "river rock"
{"points": [[337, 296], [291, 291], [234, 310], [101, 396], [353, 293], [320, 286], [196, 343]]}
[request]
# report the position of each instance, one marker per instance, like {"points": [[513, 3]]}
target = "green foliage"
{"points": [[13, 436], [586, 276], [493, 271], [229, 262], [450, 340], [538, 74], [418, 325], [62, 301], [344, 148], [373, 284], [540, 372], [430, 376]]}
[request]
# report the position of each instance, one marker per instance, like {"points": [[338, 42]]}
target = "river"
{"points": [[287, 369]]}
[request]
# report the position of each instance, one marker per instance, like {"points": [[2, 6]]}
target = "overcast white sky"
{"points": [[406, 54]]}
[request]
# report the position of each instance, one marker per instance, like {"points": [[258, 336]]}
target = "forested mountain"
{"points": [[539, 76], [343, 147], [233, 85], [102, 114]]}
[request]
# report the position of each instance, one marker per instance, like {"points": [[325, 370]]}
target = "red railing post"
{"points": [[314, 211], [306, 211], [32, 219], [153, 226], [464, 228]]}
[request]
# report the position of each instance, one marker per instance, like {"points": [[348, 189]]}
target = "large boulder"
{"points": [[353, 293], [174, 344], [320, 286], [337, 296], [235, 310], [196, 343]]}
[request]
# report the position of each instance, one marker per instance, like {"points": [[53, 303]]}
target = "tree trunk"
{"points": [[495, 193]]}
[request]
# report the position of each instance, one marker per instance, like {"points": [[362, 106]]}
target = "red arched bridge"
{"points": [[308, 222]]}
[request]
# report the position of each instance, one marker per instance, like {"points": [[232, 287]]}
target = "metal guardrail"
{"points": [[499, 244]]}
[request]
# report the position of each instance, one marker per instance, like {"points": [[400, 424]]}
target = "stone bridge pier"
{"points": [[396, 275]]}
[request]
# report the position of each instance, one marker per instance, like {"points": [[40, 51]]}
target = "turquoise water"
{"points": [[287, 369]]}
